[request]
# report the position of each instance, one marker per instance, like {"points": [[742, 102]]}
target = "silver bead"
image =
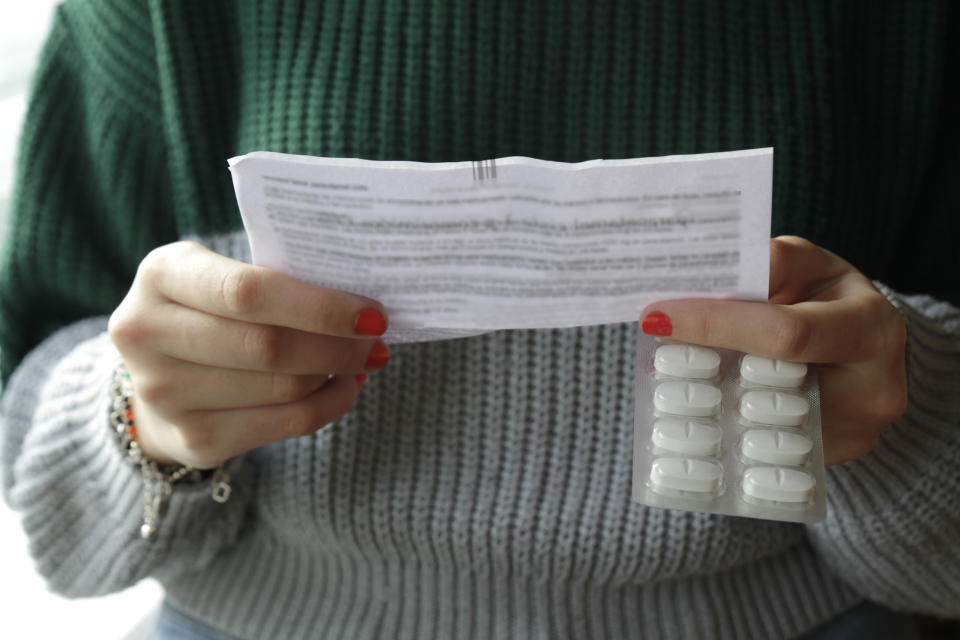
{"points": [[147, 531], [221, 492]]}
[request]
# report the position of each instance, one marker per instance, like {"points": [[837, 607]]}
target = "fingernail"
{"points": [[657, 323], [360, 378], [378, 358], [370, 322]]}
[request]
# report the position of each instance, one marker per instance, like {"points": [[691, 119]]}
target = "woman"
{"points": [[476, 487]]}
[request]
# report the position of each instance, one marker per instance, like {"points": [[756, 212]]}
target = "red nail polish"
{"points": [[361, 378], [378, 358], [370, 322], [657, 323]]}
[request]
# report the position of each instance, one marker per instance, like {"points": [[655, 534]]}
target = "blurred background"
{"points": [[29, 611]]}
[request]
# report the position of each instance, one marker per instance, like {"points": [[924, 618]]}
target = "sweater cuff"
{"points": [[893, 514], [80, 496]]}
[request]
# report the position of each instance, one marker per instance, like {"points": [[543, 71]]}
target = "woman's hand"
{"points": [[821, 310], [225, 356]]}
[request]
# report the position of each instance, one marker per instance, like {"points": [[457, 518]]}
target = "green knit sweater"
{"points": [[138, 104], [480, 487]]}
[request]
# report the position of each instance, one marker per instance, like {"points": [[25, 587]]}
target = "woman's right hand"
{"points": [[226, 357]]}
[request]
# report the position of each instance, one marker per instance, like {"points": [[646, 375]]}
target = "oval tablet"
{"points": [[779, 485], [686, 361], [687, 398], [686, 474], [686, 436], [776, 447], [774, 407], [772, 373]]}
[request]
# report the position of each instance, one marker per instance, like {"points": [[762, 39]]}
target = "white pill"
{"points": [[686, 361], [687, 398], [780, 485], [686, 474], [686, 436], [774, 407], [776, 447], [772, 373]]}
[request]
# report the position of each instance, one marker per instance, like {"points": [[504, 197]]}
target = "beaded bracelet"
{"points": [[158, 479]]}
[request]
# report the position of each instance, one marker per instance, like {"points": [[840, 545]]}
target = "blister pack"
{"points": [[725, 432]]}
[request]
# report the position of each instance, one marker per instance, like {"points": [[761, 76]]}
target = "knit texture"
{"points": [[480, 487]]}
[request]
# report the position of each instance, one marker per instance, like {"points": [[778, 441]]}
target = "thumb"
{"points": [[803, 332]]}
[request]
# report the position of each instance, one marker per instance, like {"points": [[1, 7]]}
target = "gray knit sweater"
{"points": [[435, 510]]}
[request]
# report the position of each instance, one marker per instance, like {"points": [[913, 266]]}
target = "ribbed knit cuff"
{"points": [[894, 514], [80, 496]]}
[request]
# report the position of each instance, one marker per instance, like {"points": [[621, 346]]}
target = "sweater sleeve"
{"points": [[92, 194], [92, 197], [81, 500], [894, 515]]}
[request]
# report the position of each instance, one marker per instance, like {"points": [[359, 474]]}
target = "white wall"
{"points": [[27, 609]]}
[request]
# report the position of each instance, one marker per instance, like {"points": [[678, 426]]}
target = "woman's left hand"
{"points": [[821, 310]]}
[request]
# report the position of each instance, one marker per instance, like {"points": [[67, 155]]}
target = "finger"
{"points": [[191, 387], [196, 277], [835, 331], [189, 335], [212, 436], [799, 268]]}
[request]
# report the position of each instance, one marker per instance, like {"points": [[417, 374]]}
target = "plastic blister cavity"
{"points": [[776, 446], [687, 398], [686, 475], [778, 485], [772, 373], [774, 408], [686, 361], [678, 435], [725, 432]]}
